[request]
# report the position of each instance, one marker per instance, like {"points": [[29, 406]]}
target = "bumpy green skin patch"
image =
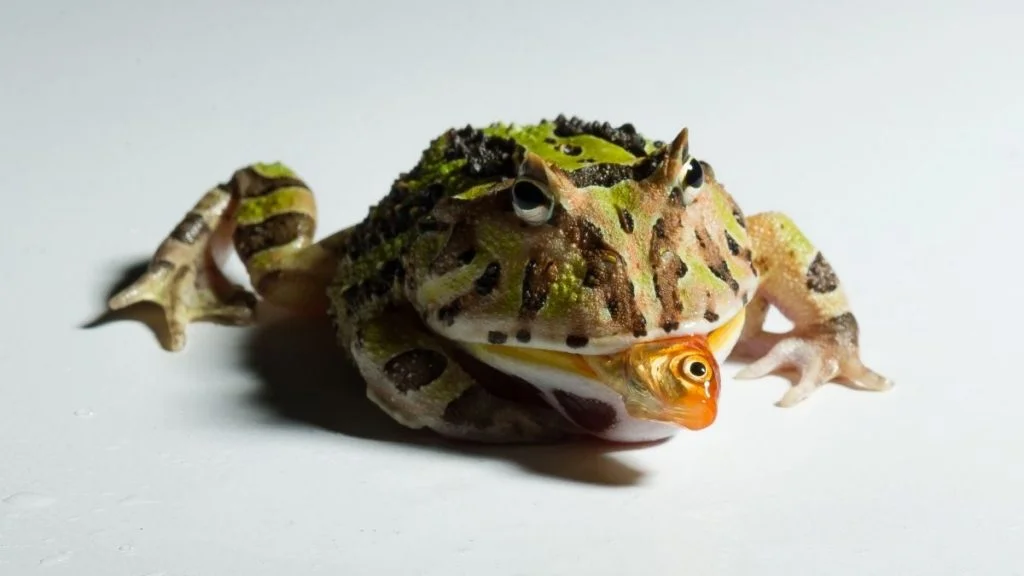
{"points": [[541, 140], [273, 170], [437, 167]]}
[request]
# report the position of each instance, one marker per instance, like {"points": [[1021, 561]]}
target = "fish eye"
{"points": [[696, 368], [694, 174], [531, 203]]}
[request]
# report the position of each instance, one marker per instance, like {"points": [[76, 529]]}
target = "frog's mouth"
{"points": [[721, 341], [604, 374]]}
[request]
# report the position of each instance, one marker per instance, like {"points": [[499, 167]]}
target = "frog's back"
{"points": [[462, 161]]}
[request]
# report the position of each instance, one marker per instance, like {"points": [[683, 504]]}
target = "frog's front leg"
{"points": [[270, 215], [797, 279], [422, 381]]}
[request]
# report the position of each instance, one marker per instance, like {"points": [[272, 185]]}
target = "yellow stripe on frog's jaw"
{"points": [[551, 359], [721, 342]]}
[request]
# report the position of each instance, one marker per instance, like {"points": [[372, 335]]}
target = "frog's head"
{"points": [[583, 263], [587, 259]]}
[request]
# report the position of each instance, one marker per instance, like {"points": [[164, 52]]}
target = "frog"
{"points": [[526, 283]]}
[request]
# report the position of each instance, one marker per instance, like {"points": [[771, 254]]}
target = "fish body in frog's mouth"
{"points": [[648, 391]]}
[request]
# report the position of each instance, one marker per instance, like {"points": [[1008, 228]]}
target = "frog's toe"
{"points": [[820, 354], [186, 295]]}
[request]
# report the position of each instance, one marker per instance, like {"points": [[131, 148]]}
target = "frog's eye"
{"points": [[531, 203], [694, 177], [690, 183]]}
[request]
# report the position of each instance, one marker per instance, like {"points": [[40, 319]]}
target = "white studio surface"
{"points": [[891, 133]]}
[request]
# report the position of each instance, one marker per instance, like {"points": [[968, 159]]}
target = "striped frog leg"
{"points": [[797, 279], [270, 215]]}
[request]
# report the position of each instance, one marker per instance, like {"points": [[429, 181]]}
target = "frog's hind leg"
{"points": [[798, 280], [421, 381], [270, 215]]}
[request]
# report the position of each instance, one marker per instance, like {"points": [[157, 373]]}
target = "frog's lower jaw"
{"points": [[570, 386], [583, 388]]}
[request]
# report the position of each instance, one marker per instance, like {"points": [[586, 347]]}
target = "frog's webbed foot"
{"points": [[797, 279], [820, 353], [269, 215], [188, 291]]}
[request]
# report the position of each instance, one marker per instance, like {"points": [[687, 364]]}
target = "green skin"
{"points": [[574, 238]]}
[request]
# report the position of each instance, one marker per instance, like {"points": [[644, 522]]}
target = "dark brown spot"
{"points": [[670, 326], [614, 306], [722, 272], [590, 414], [467, 256], [474, 407], [488, 281], [844, 325], [523, 336], [572, 150], [576, 341], [449, 312], [414, 369], [734, 246], [191, 228], [274, 231], [625, 220], [590, 235], [669, 269], [659, 228], [676, 195], [496, 337], [710, 316], [536, 286], [821, 278]]}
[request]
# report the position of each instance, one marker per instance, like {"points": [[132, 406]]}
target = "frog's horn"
{"points": [[534, 168], [673, 171], [678, 151]]}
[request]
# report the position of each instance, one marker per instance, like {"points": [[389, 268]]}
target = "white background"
{"points": [[890, 133]]}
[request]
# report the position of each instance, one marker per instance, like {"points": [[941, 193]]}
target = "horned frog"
{"points": [[527, 282]]}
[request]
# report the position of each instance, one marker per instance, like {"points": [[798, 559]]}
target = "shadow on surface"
{"points": [[305, 379]]}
